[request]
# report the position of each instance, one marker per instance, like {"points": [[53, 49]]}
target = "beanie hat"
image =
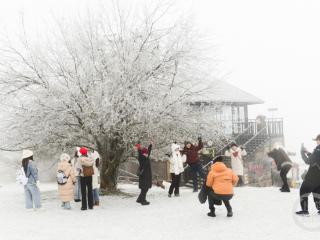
{"points": [[218, 159], [175, 147], [83, 151], [27, 153], [64, 157]]}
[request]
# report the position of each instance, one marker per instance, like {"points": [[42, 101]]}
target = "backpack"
{"points": [[61, 177], [87, 171], [21, 177]]}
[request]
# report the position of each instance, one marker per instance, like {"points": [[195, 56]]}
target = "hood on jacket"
{"points": [[219, 167]]}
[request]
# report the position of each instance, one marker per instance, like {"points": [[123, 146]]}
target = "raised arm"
{"points": [[200, 144], [311, 158], [149, 149]]}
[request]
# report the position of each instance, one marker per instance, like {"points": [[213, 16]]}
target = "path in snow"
{"points": [[259, 214]]}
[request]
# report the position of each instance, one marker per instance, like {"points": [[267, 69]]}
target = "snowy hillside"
{"points": [[259, 213]]}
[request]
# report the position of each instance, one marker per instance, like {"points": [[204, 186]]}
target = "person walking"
{"points": [[86, 171], [236, 153], [66, 179], [144, 172], [176, 169], [311, 182], [31, 190], [192, 153]]}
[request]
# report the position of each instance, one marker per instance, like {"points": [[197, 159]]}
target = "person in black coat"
{"points": [[311, 182], [284, 164], [144, 173]]}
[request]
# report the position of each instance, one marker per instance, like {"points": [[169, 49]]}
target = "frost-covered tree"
{"points": [[106, 81]]}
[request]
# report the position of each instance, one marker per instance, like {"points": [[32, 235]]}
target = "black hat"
{"points": [[317, 138], [233, 144], [219, 158]]}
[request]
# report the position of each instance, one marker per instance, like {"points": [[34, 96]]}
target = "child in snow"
{"points": [[66, 189], [144, 173], [96, 178], [236, 153], [176, 169], [311, 182], [220, 182], [86, 171], [284, 164], [31, 190]]}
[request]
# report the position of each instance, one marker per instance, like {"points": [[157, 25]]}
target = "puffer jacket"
{"points": [[221, 179], [95, 178], [176, 160], [66, 191], [192, 153], [280, 157], [32, 173]]}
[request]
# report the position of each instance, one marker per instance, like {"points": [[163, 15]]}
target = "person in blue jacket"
{"points": [[31, 190]]}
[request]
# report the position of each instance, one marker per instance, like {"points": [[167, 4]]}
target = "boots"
{"points": [[211, 214], [230, 214], [304, 207], [145, 203]]}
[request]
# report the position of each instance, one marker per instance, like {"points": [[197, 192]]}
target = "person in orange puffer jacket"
{"points": [[220, 182]]}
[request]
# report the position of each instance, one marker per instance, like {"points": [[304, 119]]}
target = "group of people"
{"points": [[311, 180], [219, 182], [78, 179]]}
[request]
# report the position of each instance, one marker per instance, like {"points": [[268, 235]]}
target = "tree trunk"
{"points": [[111, 154]]}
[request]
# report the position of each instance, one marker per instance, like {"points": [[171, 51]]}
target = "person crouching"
{"points": [[221, 181]]}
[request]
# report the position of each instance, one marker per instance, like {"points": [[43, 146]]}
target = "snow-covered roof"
{"points": [[224, 92]]}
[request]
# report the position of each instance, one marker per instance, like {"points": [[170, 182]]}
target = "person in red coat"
{"points": [[192, 153]]}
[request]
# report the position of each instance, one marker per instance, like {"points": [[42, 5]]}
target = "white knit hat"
{"points": [[174, 147], [27, 153], [64, 157]]}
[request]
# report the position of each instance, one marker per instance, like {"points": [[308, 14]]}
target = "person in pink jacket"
{"points": [[65, 190]]}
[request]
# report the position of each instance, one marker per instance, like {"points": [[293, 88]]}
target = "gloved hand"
{"points": [[199, 139], [38, 183]]}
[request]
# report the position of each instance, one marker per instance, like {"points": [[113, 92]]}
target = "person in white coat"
{"points": [[176, 169], [236, 153], [77, 168], [96, 178]]}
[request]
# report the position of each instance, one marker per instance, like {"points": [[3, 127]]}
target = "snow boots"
{"points": [[304, 207], [211, 214]]}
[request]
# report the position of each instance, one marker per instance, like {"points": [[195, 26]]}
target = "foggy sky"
{"points": [[269, 48]]}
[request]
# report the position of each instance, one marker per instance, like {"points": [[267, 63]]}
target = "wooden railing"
{"points": [[273, 127]]}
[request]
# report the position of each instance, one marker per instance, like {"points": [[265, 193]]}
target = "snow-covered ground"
{"points": [[259, 213]]}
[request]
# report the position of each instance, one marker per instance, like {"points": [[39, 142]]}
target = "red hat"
{"points": [[83, 151], [144, 151]]}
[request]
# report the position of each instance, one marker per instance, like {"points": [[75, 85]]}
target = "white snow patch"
{"points": [[259, 213]]}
